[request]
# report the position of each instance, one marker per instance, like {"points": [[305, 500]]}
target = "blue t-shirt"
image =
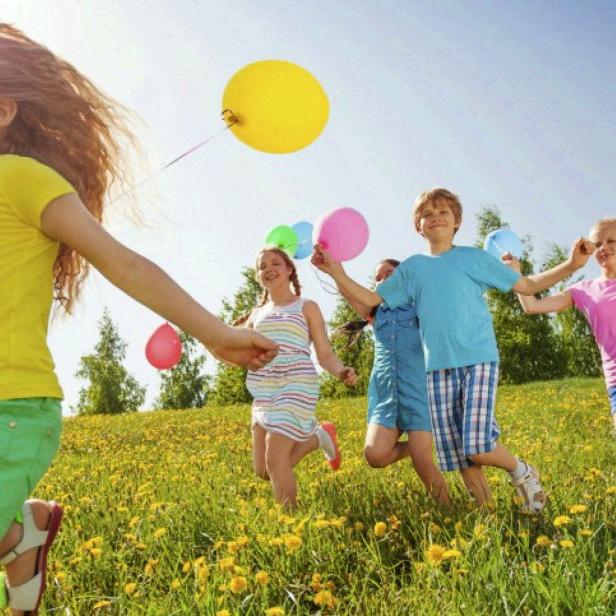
{"points": [[448, 291]]}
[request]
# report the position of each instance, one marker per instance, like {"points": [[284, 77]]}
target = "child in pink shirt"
{"points": [[596, 299]]}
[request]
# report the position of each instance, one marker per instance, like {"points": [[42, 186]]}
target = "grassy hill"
{"points": [[165, 517]]}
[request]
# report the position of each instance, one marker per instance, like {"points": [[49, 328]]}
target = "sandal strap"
{"points": [[31, 537], [25, 596]]}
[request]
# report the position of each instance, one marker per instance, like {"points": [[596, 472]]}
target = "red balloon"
{"points": [[164, 348]]}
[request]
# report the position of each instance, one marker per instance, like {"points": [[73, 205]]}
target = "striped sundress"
{"points": [[286, 390]]}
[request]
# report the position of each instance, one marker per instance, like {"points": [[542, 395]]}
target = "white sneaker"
{"points": [[529, 488]]}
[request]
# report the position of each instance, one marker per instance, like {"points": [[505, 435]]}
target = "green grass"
{"points": [[123, 478]]}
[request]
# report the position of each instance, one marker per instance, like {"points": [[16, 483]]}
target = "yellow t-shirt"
{"points": [[26, 277]]}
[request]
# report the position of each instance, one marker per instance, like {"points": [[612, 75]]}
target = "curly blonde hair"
{"points": [[65, 122]]}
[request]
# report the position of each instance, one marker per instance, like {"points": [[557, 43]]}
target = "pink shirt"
{"points": [[597, 300]]}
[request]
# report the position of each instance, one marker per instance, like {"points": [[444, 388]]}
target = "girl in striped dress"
{"points": [[285, 392]]}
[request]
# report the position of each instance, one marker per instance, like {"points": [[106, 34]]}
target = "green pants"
{"points": [[29, 439]]}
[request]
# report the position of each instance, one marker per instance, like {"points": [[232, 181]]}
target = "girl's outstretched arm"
{"points": [[552, 303], [66, 220], [579, 255], [534, 305], [328, 360]]}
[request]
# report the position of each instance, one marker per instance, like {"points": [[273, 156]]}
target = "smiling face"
{"points": [[603, 236], [437, 221], [273, 271]]}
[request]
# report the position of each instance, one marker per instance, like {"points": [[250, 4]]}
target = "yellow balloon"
{"points": [[275, 106]]}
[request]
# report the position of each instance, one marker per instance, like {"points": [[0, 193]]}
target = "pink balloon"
{"points": [[164, 348], [343, 232]]}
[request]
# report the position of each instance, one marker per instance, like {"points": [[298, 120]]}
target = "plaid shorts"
{"points": [[461, 402]]}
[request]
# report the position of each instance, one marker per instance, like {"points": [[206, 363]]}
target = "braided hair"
{"points": [[293, 279], [354, 329]]}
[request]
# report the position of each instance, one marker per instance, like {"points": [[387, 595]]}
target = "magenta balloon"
{"points": [[164, 348], [343, 232]]}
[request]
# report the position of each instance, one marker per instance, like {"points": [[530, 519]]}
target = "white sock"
{"points": [[519, 471], [326, 443]]}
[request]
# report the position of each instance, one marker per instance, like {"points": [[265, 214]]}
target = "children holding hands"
{"points": [[447, 286], [595, 298]]}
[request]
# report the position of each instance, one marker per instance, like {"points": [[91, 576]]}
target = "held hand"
{"points": [[322, 260], [513, 262], [244, 347], [580, 252], [347, 376]]}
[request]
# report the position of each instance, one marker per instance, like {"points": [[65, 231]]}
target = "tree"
{"points": [[359, 355], [528, 346], [576, 338], [229, 385], [184, 386], [111, 388]]}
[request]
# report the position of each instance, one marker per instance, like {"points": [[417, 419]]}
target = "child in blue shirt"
{"points": [[447, 286], [397, 397]]}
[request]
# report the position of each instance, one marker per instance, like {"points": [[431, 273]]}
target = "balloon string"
{"points": [[327, 286], [231, 119]]}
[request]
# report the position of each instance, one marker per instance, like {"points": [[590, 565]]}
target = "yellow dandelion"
{"points": [[203, 573], [226, 564], [562, 520], [159, 532], [578, 509], [262, 577], [611, 491], [134, 521], [325, 598], [223, 613], [274, 611], [566, 543], [96, 552], [585, 532], [380, 528], [435, 554], [238, 584], [150, 566], [130, 588], [292, 542], [176, 584], [242, 541], [543, 541], [451, 554], [358, 526], [458, 526], [320, 524], [536, 567], [100, 604], [276, 542], [480, 531], [186, 567]]}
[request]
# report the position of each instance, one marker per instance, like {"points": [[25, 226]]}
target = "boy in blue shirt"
{"points": [[447, 286]]}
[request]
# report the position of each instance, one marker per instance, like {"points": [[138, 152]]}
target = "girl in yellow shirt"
{"points": [[59, 153]]}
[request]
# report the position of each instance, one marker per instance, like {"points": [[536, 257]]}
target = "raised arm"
{"points": [[350, 290], [361, 309], [326, 357], [530, 285], [66, 219], [552, 303]]}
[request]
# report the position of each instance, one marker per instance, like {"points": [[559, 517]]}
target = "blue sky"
{"points": [[506, 103]]}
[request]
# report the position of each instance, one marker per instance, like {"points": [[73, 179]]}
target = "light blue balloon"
{"points": [[501, 241], [304, 239]]}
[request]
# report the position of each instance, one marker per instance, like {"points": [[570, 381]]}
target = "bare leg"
{"points": [[22, 568], [477, 484], [303, 448], [279, 468], [420, 448], [382, 446], [499, 457], [258, 452]]}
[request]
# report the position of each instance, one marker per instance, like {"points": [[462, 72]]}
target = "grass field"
{"points": [[163, 516]]}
